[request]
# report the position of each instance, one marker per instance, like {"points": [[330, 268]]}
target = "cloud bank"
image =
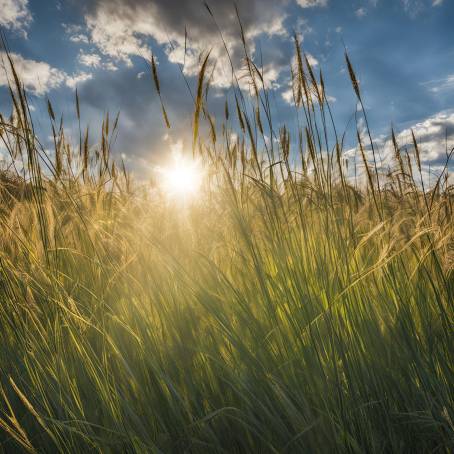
{"points": [[124, 29]]}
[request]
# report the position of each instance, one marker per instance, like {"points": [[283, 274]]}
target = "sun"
{"points": [[182, 178]]}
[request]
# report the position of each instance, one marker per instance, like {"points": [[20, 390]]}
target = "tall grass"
{"points": [[285, 310]]}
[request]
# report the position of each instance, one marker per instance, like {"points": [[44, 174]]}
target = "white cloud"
{"points": [[93, 60], [77, 79], [287, 95], [38, 77], [75, 33], [121, 30], [431, 136], [311, 3], [120, 38], [413, 7], [440, 85], [220, 70], [79, 38], [90, 60], [360, 12], [4, 155], [312, 60], [110, 66], [270, 74], [15, 15]]}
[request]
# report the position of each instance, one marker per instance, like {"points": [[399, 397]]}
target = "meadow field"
{"points": [[283, 306]]}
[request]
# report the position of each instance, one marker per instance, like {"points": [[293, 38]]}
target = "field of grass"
{"points": [[284, 309]]}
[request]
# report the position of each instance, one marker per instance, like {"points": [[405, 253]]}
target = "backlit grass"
{"points": [[283, 308]]}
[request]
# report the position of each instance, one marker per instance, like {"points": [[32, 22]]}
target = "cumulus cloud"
{"points": [[77, 79], [431, 136], [15, 15], [434, 136], [122, 30], [38, 77], [95, 61], [90, 60]]}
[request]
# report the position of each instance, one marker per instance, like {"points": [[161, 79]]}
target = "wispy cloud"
{"points": [[76, 33], [440, 85], [311, 3], [361, 12]]}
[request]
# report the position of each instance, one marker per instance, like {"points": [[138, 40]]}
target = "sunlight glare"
{"points": [[183, 178]]}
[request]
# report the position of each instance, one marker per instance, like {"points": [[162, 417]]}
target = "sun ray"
{"points": [[182, 178]]}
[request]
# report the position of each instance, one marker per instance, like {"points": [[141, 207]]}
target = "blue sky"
{"points": [[403, 52]]}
